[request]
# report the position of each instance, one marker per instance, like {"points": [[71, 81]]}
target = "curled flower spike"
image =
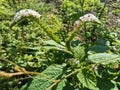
{"points": [[24, 14], [86, 18], [89, 18], [78, 24]]}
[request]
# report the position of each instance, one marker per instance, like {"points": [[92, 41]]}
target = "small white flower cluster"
{"points": [[89, 18], [86, 18], [26, 13]]}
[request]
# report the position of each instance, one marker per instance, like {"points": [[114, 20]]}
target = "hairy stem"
{"points": [[86, 43], [71, 36]]}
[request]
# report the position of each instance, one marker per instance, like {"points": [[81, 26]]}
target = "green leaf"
{"points": [[52, 43], [105, 84], [87, 79], [98, 48], [101, 41], [43, 82], [79, 52], [48, 30], [104, 58], [61, 85]]}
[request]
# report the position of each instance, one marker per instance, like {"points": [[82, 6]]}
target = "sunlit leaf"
{"points": [[87, 79], [43, 82], [104, 58], [61, 85]]}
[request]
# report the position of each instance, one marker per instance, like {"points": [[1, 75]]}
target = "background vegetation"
{"points": [[31, 59]]}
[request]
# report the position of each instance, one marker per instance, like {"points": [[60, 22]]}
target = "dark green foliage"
{"points": [[105, 84]]}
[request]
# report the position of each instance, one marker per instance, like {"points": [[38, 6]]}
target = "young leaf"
{"points": [[79, 52]]}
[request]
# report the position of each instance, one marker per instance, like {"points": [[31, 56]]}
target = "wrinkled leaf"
{"points": [[43, 82], [87, 79], [104, 58], [61, 85], [79, 52]]}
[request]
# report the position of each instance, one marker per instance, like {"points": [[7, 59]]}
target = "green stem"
{"points": [[72, 35], [86, 43], [82, 5], [102, 10]]}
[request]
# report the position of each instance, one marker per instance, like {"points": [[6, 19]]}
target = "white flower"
{"points": [[86, 18], [25, 13], [89, 18]]}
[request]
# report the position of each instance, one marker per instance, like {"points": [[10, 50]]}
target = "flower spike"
{"points": [[25, 14], [89, 18]]}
